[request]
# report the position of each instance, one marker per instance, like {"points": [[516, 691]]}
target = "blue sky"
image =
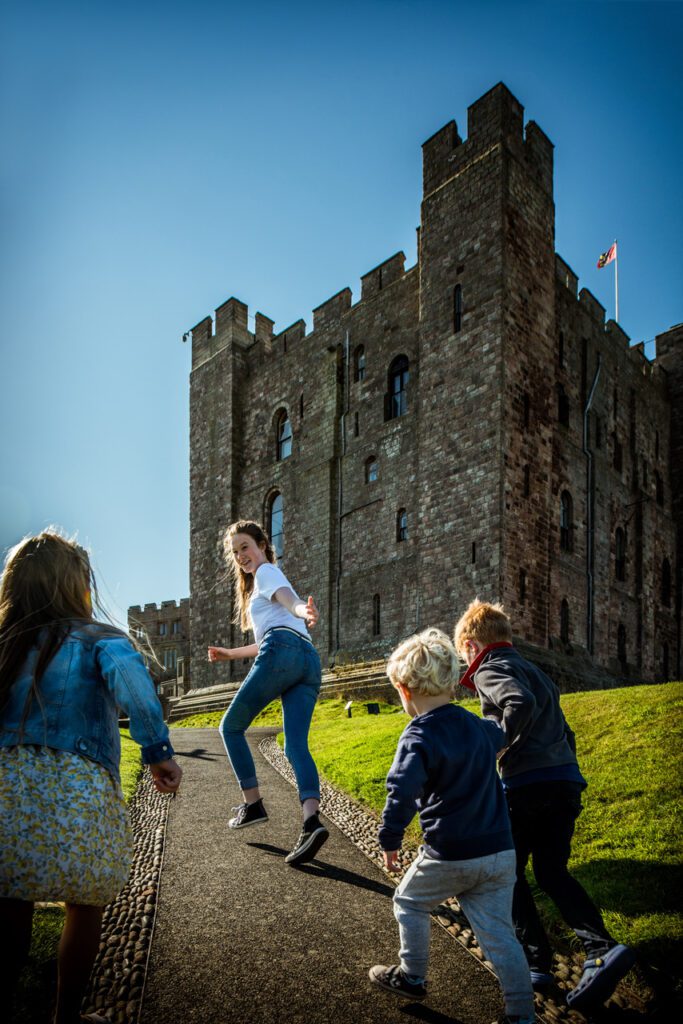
{"points": [[161, 157]]}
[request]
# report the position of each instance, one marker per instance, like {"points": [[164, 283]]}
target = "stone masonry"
{"points": [[166, 630], [470, 426]]}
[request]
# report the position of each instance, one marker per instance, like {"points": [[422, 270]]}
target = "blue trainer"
{"points": [[600, 977]]}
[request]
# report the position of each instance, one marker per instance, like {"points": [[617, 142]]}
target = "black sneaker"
{"points": [[248, 814], [394, 980], [312, 837]]}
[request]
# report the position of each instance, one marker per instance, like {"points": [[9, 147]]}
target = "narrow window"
{"points": [[527, 481], [526, 410], [562, 406], [301, 406], [276, 521], [401, 525], [560, 350], [621, 644], [656, 444], [284, 343], [566, 525], [457, 308], [284, 436], [396, 400], [371, 469], [359, 363], [617, 454], [666, 583], [620, 554], [162, 629], [644, 475], [356, 427], [615, 404], [564, 622], [474, 551], [176, 628], [522, 586], [632, 422], [659, 487], [376, 622]]}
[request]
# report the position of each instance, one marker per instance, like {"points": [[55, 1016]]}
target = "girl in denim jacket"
{"points": [[64, 832], [287, 666]]}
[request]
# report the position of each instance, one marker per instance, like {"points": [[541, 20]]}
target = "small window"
{"points": [[371, 470], [396, 401], [163, 629], [620, 554], [621, 644], [656, 444], [170, 659], [376, 621], [301, 406], [659, 487], [401, 525], [562, 406], [356, 426], [275, 520], [284, 436], [617, 453], [527, 481], [359, 363], [522, 586], [526, 410], [566, 523], [560, 350], [644, 474], [666, 583], [176, 628], [474, 551], [564, 622], [457, 308]]}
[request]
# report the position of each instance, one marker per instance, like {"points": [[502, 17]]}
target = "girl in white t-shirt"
{"points": [[287, 666]]}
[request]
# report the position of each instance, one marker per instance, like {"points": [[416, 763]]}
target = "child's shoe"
{"points": [[540, 979], [394, 980], [312, 837], [248, 814], [600, 977]]}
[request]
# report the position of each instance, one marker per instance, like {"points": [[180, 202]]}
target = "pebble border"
{"points": [[360, 827], [120, 970]]}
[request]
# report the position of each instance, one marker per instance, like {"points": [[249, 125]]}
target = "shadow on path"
{"points": [[321, 870]]}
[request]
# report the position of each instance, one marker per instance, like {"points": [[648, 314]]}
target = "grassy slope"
{"points": [[628, 847], [38, 981]]}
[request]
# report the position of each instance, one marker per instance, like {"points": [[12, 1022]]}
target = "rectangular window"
{"points": [[163, 629], [176, 630], [522, 586]]}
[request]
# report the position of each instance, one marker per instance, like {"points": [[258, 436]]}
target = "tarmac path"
{"points": [[242, 937]]}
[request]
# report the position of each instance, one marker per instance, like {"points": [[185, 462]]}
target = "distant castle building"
{"points": [[471, 426], [166, 629]]}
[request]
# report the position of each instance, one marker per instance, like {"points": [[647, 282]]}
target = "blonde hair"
{"points": [[486, 623], [425, 663], [244, 581]]}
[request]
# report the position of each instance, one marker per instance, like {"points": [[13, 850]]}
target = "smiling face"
{"points": [[247, 553]]}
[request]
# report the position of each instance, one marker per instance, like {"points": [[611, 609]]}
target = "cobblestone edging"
{"points": [[118, 979], [361, 828]]}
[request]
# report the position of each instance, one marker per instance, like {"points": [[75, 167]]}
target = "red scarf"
{"points": [[467, 678]]}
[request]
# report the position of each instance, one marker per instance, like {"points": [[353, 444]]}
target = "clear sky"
{"points": [[160, 157]]}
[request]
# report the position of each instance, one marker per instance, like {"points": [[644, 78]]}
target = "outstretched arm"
{"points": [[307, 611], [232, 653]]}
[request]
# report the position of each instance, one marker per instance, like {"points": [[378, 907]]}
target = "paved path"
{"points": [[241, 938]]}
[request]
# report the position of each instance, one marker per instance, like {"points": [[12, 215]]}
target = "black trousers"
{"points": [[543, 815]]}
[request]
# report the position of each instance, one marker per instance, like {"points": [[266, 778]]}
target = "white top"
{"points": [[266, 613]]}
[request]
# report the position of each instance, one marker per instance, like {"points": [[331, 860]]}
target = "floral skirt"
{"points": [[64, 830]]}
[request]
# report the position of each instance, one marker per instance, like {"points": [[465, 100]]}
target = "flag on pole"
{"points": [[608, 256]]}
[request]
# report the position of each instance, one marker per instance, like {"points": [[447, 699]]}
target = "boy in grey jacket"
{"points": [[543, 785]]}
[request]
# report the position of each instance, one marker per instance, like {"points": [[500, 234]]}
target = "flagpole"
{"points": [[616, 281]]}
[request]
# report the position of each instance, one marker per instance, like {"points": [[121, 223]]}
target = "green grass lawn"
{"points": [[628, 846], [38, 981]]}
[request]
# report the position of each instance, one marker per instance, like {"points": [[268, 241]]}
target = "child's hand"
{"points": [[390, 859], [312, 614], [166, 775], [219, 654]]}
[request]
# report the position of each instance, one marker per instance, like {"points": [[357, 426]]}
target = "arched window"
{"points": [[562, 406], [621, 644], [376, 623], [620, 554], [359, 363], [401, 525], [564, 622], [371, 469], [457, 308], [284, 435], [566, 521], [666, 583], [396, 400], [276, 523]]}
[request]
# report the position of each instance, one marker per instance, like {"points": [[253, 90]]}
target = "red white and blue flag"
{"points": [[608, 256]]}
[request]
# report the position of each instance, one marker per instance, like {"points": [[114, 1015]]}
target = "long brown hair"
{"points": [[244, 581], [46, 584]]}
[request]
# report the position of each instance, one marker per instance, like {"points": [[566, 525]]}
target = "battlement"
{"points": [[594, 308], [151, 608], [495, 119], [566, 276], [383, 275]]}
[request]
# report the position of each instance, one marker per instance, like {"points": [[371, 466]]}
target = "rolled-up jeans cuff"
{"points": [[250, 783], [309, 794]]}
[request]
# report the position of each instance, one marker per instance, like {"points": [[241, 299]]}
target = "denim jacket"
{"points": [[95, 672]]}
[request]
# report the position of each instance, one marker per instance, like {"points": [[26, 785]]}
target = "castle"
{"points": [[470, 426]]}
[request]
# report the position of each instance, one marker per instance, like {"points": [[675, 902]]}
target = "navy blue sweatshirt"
{"points": [[445, 768]]}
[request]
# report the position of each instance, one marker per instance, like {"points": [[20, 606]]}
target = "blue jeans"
{"points": [[286, 666], [483, 886]]}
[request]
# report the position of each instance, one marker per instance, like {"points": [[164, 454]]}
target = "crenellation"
{"points": [[540, 154], [594, 308], [201, 341], [383, 275], [332, 309], [263, 331], [614, 330], [566, 276]]}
